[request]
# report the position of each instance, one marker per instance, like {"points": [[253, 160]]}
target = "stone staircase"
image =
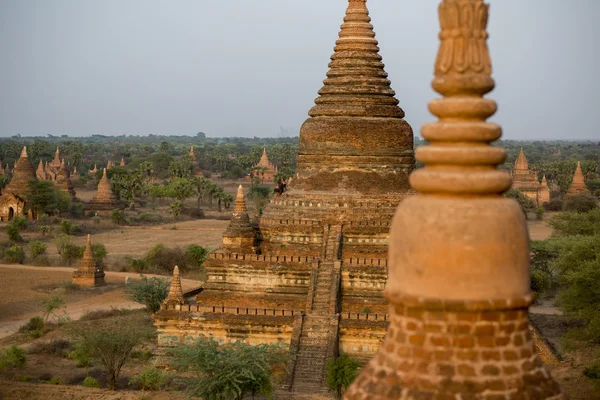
{"points": [[319, 337]]}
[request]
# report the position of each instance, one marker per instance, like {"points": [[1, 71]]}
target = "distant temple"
{"points": [[104, 199], [122, 163], [526, 181], [12, 200], [578, 185], [265, 170], [88, 274], [57, 172]]}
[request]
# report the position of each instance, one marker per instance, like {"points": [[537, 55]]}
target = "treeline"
{"points": [[234, 157]]}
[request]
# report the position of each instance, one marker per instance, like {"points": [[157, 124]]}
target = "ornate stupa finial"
{"points": [[356, 133], [175, 296], [24, 152], [544, 181], [458, 229]]}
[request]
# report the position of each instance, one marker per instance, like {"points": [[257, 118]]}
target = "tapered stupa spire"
{"points": [[240, 233], [22, 174], [356, 133], [544, 181], [41, 171], [88, 274], [175, 296], [240, 201], [56, 160], [578, 184], [468, 339], [104, 199], [521, 163]]}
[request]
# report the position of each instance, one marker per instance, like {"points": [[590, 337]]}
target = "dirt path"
{"points": [[20, 294]]}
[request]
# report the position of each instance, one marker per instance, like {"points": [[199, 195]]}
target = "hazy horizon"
{"points": [[141, 67]]}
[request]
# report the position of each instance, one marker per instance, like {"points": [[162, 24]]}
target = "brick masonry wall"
{"points": [[437, 352]]}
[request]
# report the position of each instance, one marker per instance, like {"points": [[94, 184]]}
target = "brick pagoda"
{"points": [[104, 199], [526, 181], [88, 274], [13, 200], [578, 184], [57, 172], [310, 273], [458, 282], [265, 169]]}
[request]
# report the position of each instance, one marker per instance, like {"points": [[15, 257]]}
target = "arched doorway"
{"points": [[11, 213]]}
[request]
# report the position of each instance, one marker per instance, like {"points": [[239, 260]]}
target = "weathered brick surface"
{"points": [[446, 352]]}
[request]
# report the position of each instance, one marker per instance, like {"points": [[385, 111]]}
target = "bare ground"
{"points": [[23, 288]]}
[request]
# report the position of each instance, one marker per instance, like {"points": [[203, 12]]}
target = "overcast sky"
{"points": [[253, 68]]}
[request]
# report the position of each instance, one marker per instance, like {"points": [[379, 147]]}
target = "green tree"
{"points": [[581, 203], [183, 168], [181, 188], [341, 372], [51, 304], [229, 371], [149, 292], [111, 343]]}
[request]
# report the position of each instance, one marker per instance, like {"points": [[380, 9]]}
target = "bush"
{"points": [[90, 382], [13, 357], [37, 248], [14, 255], [151, 378], [553, 205], [99, 252], [149, 292], [13, 233], [581, 203], [341, 372], [539, 213], [175, 208], [68, 251], [19, 222], [44, 230], [67, 227], [77, 210], [138, 265], [55, 380], [540, 282], [34, 324], [593, 372], [196, 255], [117, 217], [54, 347], [568, 224], [82, 355], [165, 258], [229, 371]]}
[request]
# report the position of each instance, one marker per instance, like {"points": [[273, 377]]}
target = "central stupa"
{"points": [[311, 271]]}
